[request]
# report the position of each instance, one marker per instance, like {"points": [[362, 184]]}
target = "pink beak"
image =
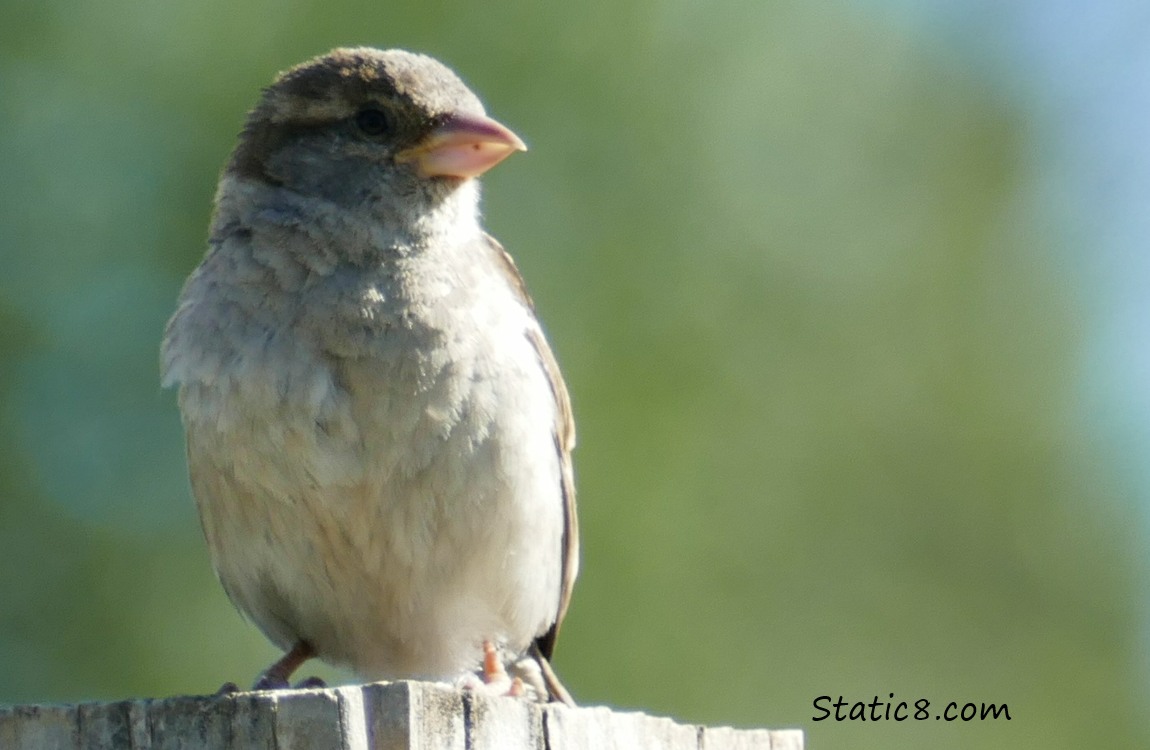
{"points": [[464, 146]]}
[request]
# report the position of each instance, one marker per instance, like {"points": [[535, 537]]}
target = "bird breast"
{"points": [[372, 456]]}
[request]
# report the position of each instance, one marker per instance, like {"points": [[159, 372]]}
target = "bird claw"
{"points": [[277, 676], [228, 688], [493, 678], [270, 682], [310, 683], [274, 682]]}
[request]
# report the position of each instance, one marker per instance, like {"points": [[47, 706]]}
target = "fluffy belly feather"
{"points": [[394, 528]]}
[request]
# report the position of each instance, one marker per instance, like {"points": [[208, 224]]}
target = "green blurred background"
{"points": [[828, 282]]}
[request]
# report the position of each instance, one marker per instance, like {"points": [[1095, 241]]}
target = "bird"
{"points": [[378, 436]]}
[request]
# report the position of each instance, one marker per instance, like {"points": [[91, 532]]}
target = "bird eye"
{"points": [[373, 121]]}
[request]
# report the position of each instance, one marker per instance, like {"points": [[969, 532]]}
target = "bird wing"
{"points": [[564, 434]]}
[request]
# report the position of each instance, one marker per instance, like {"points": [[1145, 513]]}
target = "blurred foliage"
{"points": [[823, 356]]}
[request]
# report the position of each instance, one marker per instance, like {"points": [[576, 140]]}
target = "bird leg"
{"points": [[495, 675], [492, 678], [277, 675]]}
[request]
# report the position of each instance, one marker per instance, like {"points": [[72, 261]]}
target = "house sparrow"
{"points": [[378, 437]]}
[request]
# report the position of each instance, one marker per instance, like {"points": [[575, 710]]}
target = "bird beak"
{"points": [[464, 146]]}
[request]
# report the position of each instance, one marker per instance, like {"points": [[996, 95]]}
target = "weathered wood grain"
{"points": [[378, 716]]}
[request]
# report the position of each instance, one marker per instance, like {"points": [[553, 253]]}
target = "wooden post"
{"points": [[378, 716]]}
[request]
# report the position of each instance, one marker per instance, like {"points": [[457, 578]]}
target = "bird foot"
{"points": [[270, 682], [278, 675], [310, 683], [493, 679], [228, 688]]}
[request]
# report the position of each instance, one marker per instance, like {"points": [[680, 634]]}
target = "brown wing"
{"points": [[564, 434], [564, 443]]}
